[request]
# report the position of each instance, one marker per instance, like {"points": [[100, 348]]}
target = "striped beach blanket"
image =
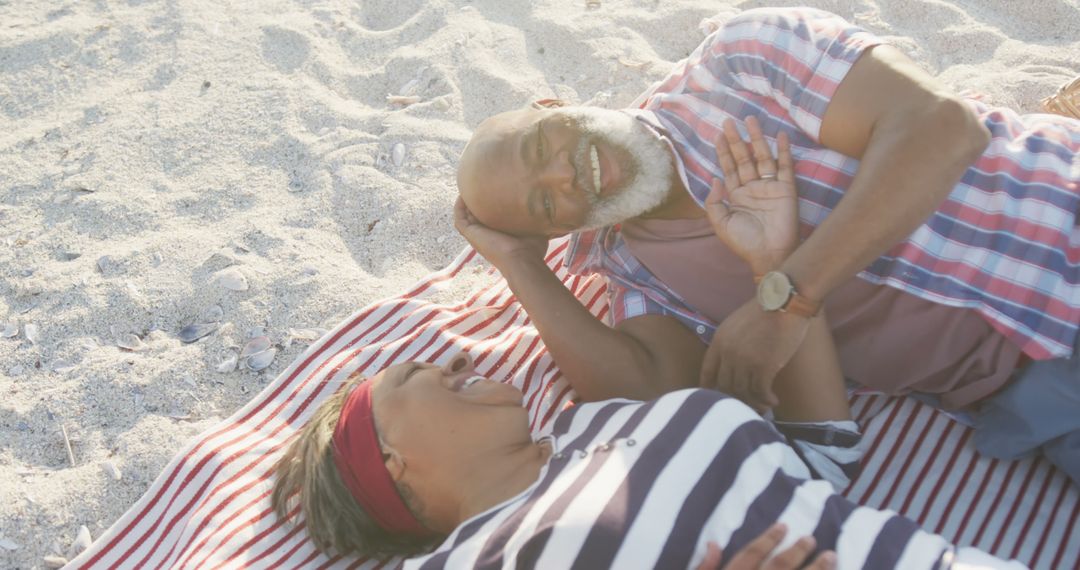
{"points": [[210, 507]]}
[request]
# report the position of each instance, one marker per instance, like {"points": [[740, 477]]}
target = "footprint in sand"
{"points": [[284, 49], [381, 15]]}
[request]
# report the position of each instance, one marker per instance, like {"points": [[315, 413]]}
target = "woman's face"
{"points": [[424, 409]]}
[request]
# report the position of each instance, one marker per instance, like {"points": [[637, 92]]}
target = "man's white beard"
{"points": [[646, 183]]}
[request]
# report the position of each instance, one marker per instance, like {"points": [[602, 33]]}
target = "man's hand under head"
{"points": [[497, 247]]}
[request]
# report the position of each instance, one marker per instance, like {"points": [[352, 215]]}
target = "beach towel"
{"points": [[210, 507]]}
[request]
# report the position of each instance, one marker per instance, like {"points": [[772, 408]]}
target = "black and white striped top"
{"points": [[648, 485]]}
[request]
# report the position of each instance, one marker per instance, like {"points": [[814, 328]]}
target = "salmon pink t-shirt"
{"points": [[887, 340]]}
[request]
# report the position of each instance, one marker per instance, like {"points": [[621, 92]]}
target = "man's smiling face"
{"points": [[553, 171]]}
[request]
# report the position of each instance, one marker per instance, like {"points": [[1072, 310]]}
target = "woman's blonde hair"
{"points": [[306, 474]]}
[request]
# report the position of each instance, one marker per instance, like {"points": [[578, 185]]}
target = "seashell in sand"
{"points": [[255, 346], [192, 333], [307, 334], [130, 342], [227, 365], [212, 314], [9, 330], [82, 541], [232, 279], [61, 366], [54, 561], [397, 154], [8, 544], [32, 333], [410, 88], [111, 470], [105, 263], [261, 360], [403, 100]]}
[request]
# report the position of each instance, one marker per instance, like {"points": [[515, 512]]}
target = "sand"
{"points": [[151, 151]]}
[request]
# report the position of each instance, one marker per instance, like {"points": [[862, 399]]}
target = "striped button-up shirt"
{"points": [[648, 485], [1004, 242]]}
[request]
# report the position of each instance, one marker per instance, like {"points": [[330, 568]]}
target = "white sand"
{"points": [[147, 145]]}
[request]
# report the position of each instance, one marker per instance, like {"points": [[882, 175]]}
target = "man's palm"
{"points": [[755, 210]]}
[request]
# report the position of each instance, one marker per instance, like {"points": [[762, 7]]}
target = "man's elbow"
{"points": [[962, 136]]}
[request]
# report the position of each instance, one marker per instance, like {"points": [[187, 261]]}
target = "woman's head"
{"points": [[429, 422]]}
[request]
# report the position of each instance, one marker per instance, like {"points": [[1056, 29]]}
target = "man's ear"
{"points": [[549, 104]]}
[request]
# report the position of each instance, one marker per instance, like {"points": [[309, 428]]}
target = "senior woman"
{"points": [[438, 463]]}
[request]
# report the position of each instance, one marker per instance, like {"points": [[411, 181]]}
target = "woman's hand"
{"points": [[760, 219], [753, 556], [497, 247]]}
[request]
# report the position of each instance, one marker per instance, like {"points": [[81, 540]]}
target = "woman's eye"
{"points": [[547, 207]]}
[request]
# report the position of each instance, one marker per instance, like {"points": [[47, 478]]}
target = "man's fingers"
{"points": [[741, 153], [785, 163], [753, 554], [727, 163], [461, 214], [762, 385], [735, 381], [793, 556], [766, 165]]}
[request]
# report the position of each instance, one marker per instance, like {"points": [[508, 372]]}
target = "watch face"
{"points": [[774, 291]]}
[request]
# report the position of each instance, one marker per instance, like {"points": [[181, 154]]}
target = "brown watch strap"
{"points": [[797, 304], [802, 306]]}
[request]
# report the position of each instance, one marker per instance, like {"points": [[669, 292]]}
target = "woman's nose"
{"points": [[460, 363]]}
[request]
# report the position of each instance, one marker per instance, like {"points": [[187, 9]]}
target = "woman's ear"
{"points": [[394, 463]]}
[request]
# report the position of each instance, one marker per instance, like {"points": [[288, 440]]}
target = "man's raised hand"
{"points": [[754, 210], [497, 247]]}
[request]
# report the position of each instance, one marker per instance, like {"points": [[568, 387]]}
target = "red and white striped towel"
{"points": [[210, 508]]}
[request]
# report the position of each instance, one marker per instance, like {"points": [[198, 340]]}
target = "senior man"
{"points": [[939, 233]]}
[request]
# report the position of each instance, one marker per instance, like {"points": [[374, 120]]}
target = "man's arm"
{"points": [[811, 387], [641, 359], [915, 141]]}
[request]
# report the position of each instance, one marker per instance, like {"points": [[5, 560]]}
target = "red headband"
{"points": [[360, 464]]}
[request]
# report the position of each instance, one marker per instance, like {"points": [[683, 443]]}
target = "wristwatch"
{"points": [[776, 292]]}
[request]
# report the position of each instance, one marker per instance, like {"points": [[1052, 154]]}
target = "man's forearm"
{"points": [[811, 386], [598, 361], [912, 163]]}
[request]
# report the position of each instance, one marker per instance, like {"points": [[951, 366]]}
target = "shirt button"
{"points": [[630, 443], [701, 329], [604, 447], [582, 453], [559, 455]]}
